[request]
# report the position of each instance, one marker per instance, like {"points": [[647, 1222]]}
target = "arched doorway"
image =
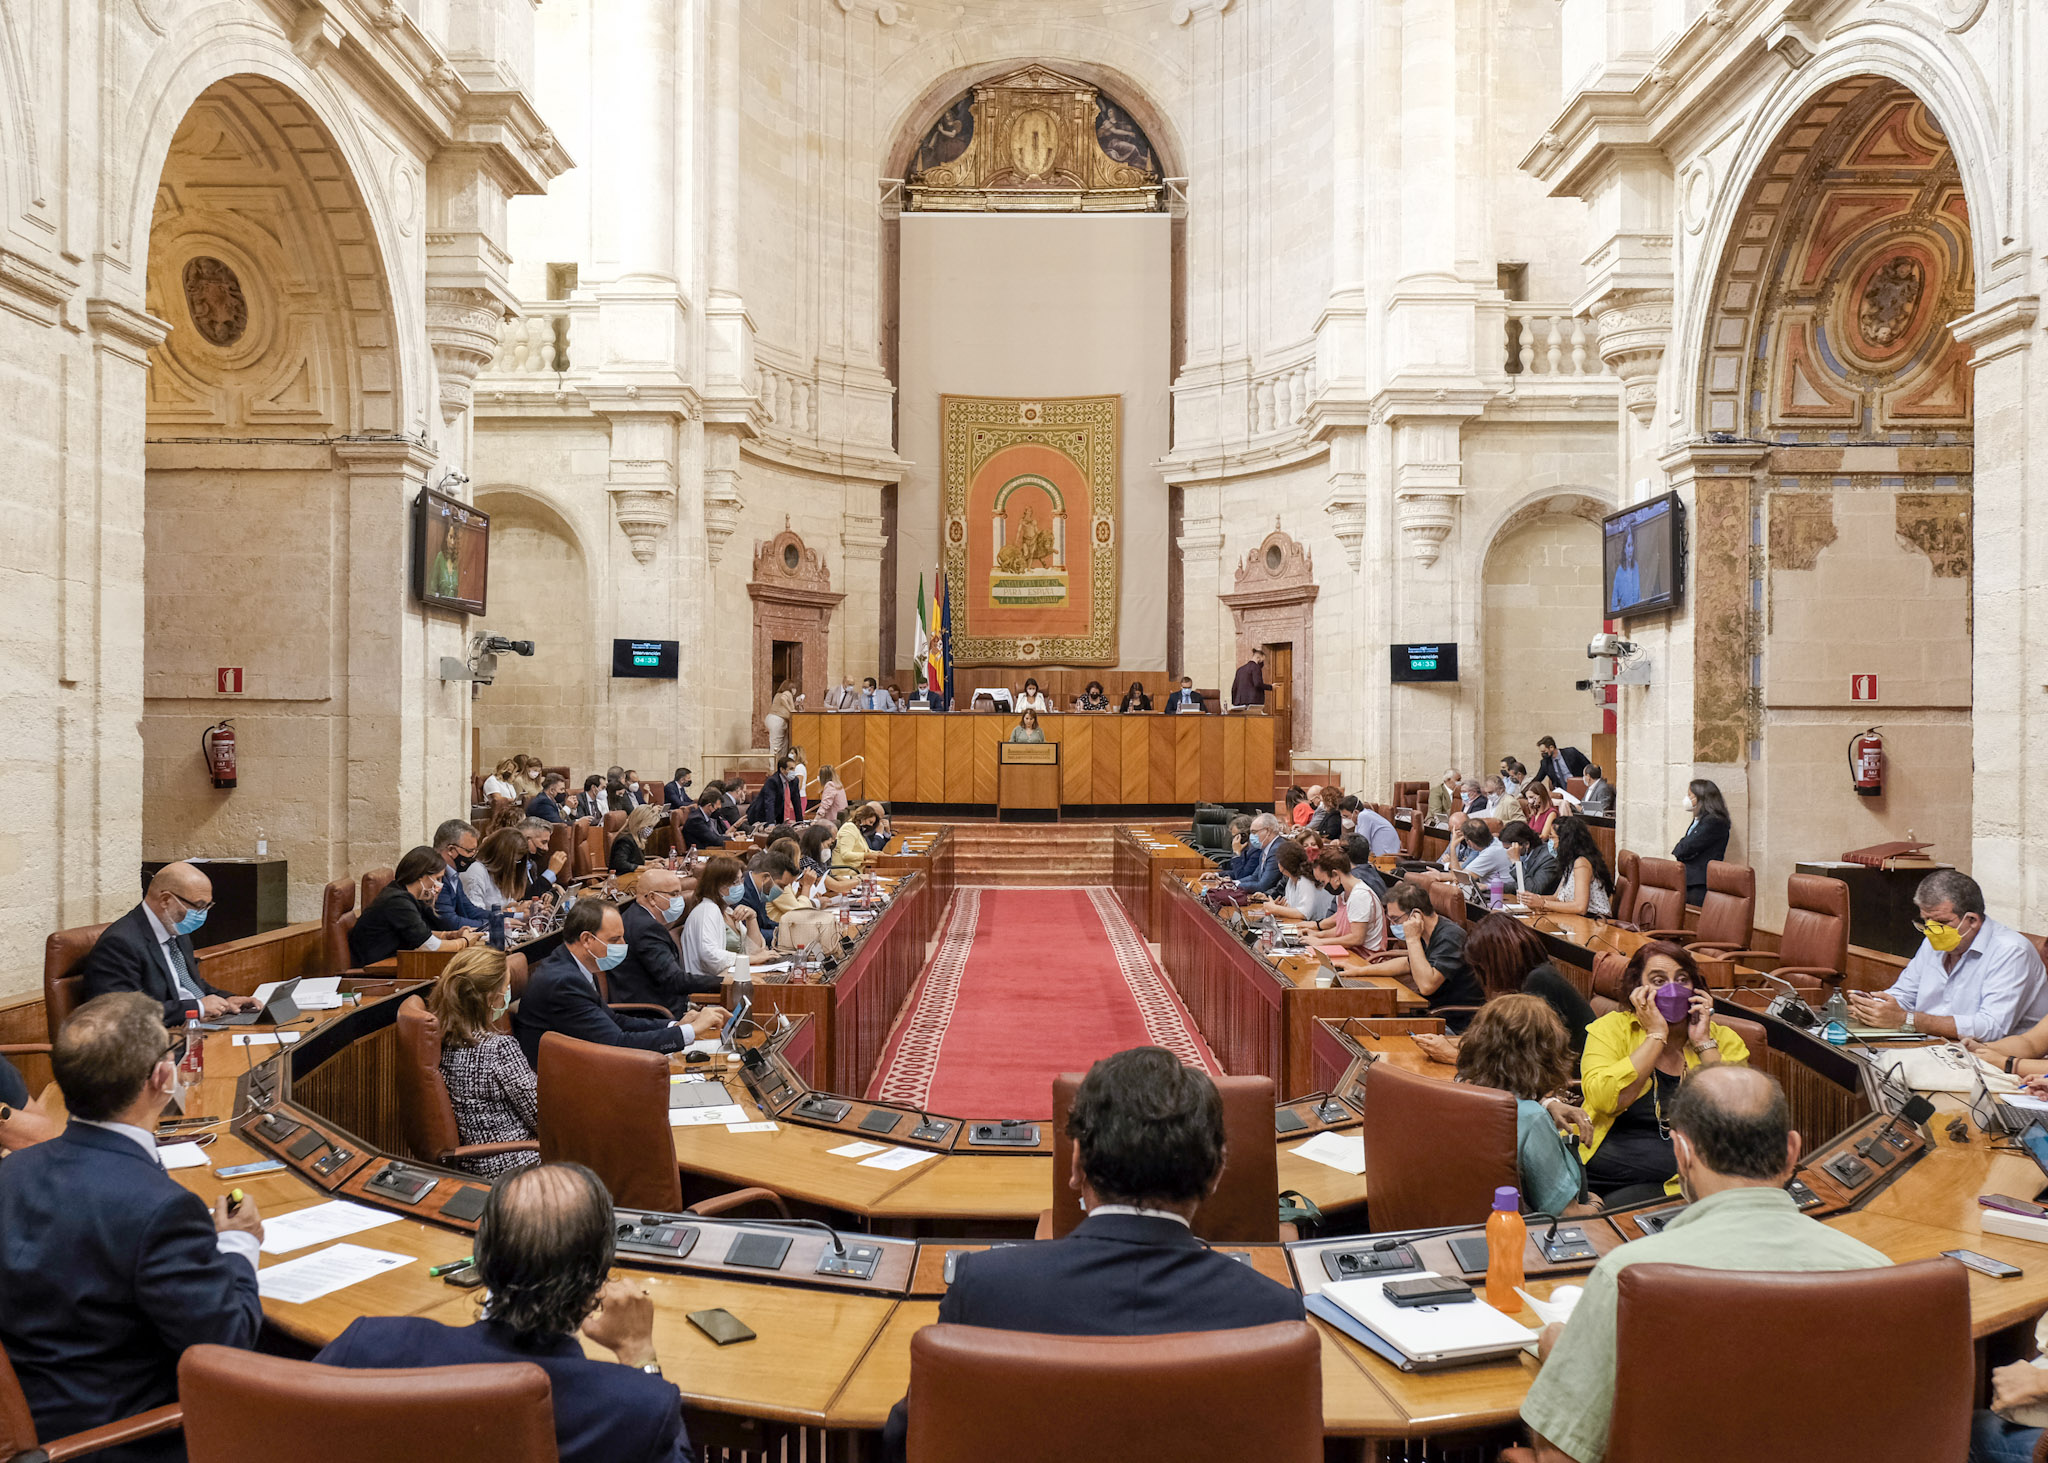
{"points": [[547, 703], [1541, 604], [275, 543]]}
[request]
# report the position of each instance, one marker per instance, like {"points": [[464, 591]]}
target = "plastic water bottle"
{"points": [[1495, 889], [1505, 1237], [262, 844]]}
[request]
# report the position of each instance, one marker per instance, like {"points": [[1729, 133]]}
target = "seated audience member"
{"points": [[1971, 977], [1135, 699], [653, 972], [729, 802], [1244, 855], [499, 783], [851, 849], [1092, 699], [1296, 799], [629, 844], [109, 1267], [498, 877], [149, 949], [1732, 1132], [831, 798], [2016, 1386], [615, 798], [1360, 854], [1382, 837], [1265, 877], [885, 829], [815, 853], [790, 895], [1631, 1068], [402, 915], [1706, 839], [1031, 698], [1538, 806], [675, 793], [1434, 962], [527, 778], [1558, 766], [1510, 782], [1148, 1149], [1475, 851], [1517, 1045], [1186, 698], [591, 804], [544, 870], [713, 939], [1301, 896], [1587, 886], [544, 1248], [1027, 728], [23, 1123], [1509, 958], [1507, 806], [1532, 867], [1599, 798], [702, 827], [768, 874], [875, 698], [456, 842], [636, 796], [1328, 818], [502, 815], [561, 993], [1475, 798], [490, 1085], [547, 803], [1303, 813], [1446, 794], [1359, 920]]}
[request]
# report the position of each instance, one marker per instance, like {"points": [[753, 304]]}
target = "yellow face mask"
{"points": [[1943, 938]]}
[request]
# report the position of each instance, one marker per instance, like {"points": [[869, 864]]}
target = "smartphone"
{"points": [[1982, 1264], [246, 1170], [2012, 1205], [721, 1325]]}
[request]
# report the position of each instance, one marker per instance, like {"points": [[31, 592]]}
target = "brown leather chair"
{"points": [[978, 1394], [1727, 918], [1411, 836], [516, 973], [1448, 900], [19, 1443], [1899, 1332], [1608, 970], [1813, 952], [337, 918], [1404, 792], [589, 846], [1659, 901], [244, 1407], [1755, 1035], [1245, 1209], [1576, 786], [425, 1112], [606, 1107], [373, 884], [1434, 1151], [63, 991], [1625, 881]]}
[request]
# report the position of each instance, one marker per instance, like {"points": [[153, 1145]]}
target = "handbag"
{"points": [[1300, 1211]]}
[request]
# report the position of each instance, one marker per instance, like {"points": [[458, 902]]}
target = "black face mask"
{"points": [[462, 861]]}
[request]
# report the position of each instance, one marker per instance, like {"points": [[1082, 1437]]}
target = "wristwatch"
{"points": [[2010, 1062], [653, 1368], [1909, 1022]]}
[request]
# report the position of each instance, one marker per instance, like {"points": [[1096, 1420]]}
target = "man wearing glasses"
{"points": [[149, 949], [1972, 977]]}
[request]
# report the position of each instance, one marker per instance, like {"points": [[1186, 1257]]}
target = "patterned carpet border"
{"points": [[907, 1071], [1167, 1021]]}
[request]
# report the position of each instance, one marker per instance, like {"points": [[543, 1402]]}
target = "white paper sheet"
{"points": [[334, 1268], [318, 993], [1345, 1153], [750, 1127], [318, 1224], [1558, 1307], [897, 1158], [266, 1038], [2027, 1101], [706, 1117], [773, 967], [181, 1155], [854, 1150]]}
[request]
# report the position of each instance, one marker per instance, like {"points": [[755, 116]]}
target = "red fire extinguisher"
{"points": [[1866, 764], [218, 745]]}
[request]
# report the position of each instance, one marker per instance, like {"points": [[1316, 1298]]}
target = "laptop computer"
{"points": [[276, 1010]]}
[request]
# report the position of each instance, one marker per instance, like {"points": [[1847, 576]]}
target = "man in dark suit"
{"points": [[544, 1247], [676, 791], [110, 1268], [455, 840], [149, 949], [1599, 796], [1534, 868], [593, 802], [767, 875], [1186, 698], [1148, 1149], [1266, 878], [544, 870], [653, 968], [1555, 766], [547, 803], [1250, 686], [701, 825], [561, 995]]}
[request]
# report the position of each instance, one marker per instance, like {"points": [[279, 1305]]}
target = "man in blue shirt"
{"points": [[1971, 977], [1267, 879], [455, 841]]}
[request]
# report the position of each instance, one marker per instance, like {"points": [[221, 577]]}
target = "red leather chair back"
{"points": [[561, 839], [516, 974], [1447, 900], [373, 884], [1900, 1332], [1434, 1151], [424, 1110], [338, 902], [978, 1394], [242, 1407], [1245, 1209], [63, 991], [587, 849], [1608, 970], [1411, 836], [1728, 913], [1659, 902], [1816, 923], [1755, 1035], [1404, 792], [1625, 880], [17, 1425], [606, 1107]]}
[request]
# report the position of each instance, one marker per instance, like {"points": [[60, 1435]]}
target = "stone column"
{"points": [[1354, 708]]}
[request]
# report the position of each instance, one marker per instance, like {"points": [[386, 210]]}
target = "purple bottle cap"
{"points": [[1507, 1198]]}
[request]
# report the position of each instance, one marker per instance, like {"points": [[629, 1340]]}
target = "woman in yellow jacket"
{"points": [[850, 850], [1633, 1062]]}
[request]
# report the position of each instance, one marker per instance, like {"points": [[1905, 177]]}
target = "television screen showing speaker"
{"points": [[1644, 565], [1437, 661], [647, 660], [451, 553]]}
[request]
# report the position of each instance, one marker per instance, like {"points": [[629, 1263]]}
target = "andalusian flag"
{"points": [[922, 646]]}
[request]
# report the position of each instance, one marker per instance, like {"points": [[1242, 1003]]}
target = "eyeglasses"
{"points": [[199, 905]]}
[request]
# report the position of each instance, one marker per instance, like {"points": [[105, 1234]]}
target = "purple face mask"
{"points": [[1674, 1000]]}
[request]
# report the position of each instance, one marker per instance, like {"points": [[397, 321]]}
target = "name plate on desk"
{"points": [[1030, 754]]}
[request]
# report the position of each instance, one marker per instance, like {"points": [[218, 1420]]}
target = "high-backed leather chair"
{"points": [[516, 973], [1245, 1209], [1411, 836], [337, 918], [589, 847], [62, 991], [978, 1394], [1813, 952], [1625, 880], [242, 1407], [1434, 1151], [1727, 918], [606, 1107], [373, 884], [1608, 970], [1405, 791], [18, 1440], [1755, 1035], [1448, 900], [1899, 1332], [1659, 901], [424, 1111]]}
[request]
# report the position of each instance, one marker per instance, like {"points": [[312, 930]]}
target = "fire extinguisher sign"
{"points": [[227, 681], [1861, 688]]}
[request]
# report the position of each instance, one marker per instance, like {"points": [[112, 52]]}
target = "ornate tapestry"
{"points": [[1030, 527]]}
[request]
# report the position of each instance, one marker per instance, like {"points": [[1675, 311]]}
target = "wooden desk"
{"points": [[1142, 858]]}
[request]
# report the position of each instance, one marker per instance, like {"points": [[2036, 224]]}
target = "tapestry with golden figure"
{"points": [[1029, 531]]}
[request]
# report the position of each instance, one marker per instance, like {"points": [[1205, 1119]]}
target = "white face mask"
{"points": [[1690, 803]]}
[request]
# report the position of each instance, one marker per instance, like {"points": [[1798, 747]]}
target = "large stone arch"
{"points": [[544, 590]]}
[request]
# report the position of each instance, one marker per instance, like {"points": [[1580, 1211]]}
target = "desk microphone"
{"points": [[1916, 1111], [838, 1245]]}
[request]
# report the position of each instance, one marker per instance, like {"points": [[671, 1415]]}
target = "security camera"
{"points": [[499, 645], [1601, 646], [451, 479]]}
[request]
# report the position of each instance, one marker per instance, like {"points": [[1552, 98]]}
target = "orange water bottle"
{"points": [[1505, 1237]]}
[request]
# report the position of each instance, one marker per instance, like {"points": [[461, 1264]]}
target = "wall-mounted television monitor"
{"points": [[646, 660], [1644, 558], [451, 553], [1437, 661]]}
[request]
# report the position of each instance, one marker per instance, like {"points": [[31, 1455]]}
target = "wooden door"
{"points": [[1280, 700]]}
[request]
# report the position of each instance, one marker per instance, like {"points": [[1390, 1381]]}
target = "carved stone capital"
{"points": [[1634, 329], [1426, 518], [462, 328], [643, 514]]}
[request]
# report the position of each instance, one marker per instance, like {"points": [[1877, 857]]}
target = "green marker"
{"points": [[437, 1271]]}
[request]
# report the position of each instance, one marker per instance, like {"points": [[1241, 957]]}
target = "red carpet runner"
{"points": [[1029, 983]]}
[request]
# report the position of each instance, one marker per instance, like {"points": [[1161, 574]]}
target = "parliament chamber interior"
{"points": [[1197, 730]]}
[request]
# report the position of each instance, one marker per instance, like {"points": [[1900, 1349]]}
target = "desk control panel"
{"points": [[1383, 1257]]}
